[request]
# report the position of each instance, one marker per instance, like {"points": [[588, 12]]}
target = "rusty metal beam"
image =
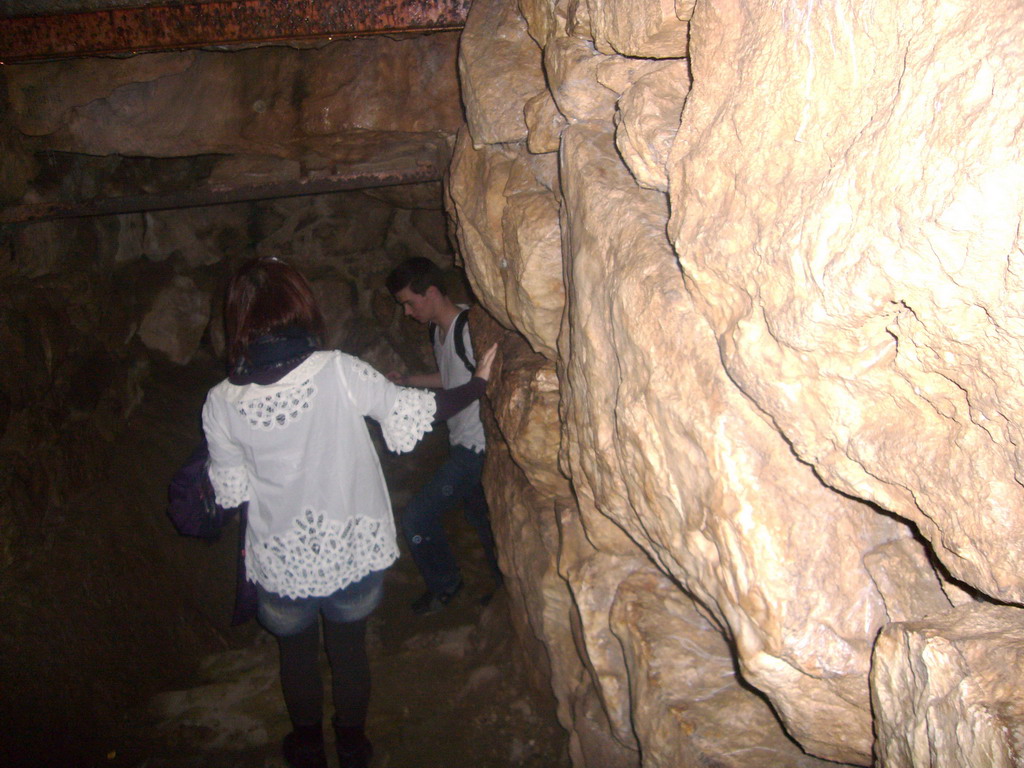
{"points": [[225, 23], [312, 184]]}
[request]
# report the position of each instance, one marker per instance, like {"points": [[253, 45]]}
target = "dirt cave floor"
{"points": [[116, 649]]}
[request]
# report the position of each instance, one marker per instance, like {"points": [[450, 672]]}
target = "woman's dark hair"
{"points": [[266, 295]]}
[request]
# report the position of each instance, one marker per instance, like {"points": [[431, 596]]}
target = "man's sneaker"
{"points": [[430, 602]]}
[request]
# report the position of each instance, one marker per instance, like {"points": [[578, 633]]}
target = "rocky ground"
{"points": [[121, 653]]}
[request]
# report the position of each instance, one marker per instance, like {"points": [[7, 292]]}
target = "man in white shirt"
{"points": [[418, 285]]}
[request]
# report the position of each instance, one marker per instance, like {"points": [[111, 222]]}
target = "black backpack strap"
{"points": [[458, 328], [460, 339]]}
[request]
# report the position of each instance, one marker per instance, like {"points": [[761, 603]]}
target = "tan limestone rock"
{"points": [[507, 227], [525, 402], [218, 102], [585, 83], [539, 596], [681, 461], [544, 18], [642, 28], [577, 19], [684, 9], [594, 580], [595, 558], [946, 691], [531, 265], [543, 549], [475, 199], [500, 69], [590, 743], [688, 706], [525, 516], [43, 95], [857, 255], [383, 84], [544, 123], [619, 73], [843, 328], [571, 65], [175, 322], [648, 120], [906, 580]]}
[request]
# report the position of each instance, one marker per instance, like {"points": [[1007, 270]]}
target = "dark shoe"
{"points": [[354, 749], [430, 602], [304, 747]]}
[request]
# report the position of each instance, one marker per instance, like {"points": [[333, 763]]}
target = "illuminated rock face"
{"points": [[773, 288], [961, 668]]}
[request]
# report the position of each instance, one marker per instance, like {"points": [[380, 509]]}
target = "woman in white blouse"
{"points": [[286, 433]]}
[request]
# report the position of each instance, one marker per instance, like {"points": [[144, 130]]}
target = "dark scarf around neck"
{"points": [[270, 357]]}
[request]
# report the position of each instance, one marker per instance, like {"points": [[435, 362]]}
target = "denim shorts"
{"points": [[285, 616]]}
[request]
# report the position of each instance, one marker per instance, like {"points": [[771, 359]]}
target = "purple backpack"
{"points": [[192, 504], [194, 511]]}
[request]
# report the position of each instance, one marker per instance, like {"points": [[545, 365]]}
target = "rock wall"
{"points": [[766, 258]]}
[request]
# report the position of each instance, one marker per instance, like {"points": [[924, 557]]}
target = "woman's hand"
{"points": [[483, 365]]}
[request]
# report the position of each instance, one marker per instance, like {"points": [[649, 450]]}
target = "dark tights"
{"points": [[350, 673]]}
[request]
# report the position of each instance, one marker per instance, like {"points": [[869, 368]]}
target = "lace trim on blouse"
{"points": [[411, 417], [230, 485], [278, 409], [365, 371], [318, 556]]}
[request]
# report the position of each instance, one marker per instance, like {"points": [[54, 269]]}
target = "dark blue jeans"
{"points": [[295, 623], [285, 616], [458, 480]]}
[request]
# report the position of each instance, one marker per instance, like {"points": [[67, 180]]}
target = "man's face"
{"points": [[419, 308]]}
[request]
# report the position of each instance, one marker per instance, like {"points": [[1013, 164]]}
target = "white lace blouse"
{"points": [[300, 453]]}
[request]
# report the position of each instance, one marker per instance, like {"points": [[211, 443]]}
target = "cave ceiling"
{"points": [[34, 31]]}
